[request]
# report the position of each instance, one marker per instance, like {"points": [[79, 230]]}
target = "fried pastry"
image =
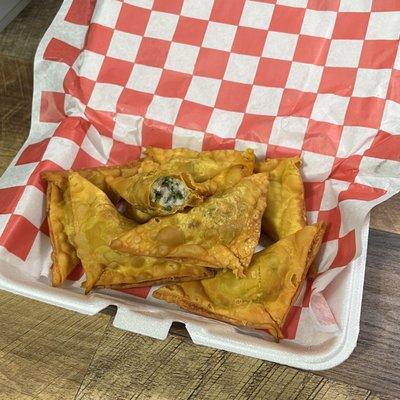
{"points": [[264, 297], [159, 193], [60, 215], [138, 216], [149, 271], [227, 167], [63, 256], [96, 223], [221, 232], [285, 212], [98, 176]]}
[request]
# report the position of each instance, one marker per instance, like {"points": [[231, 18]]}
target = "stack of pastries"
{"points": [[192, 220]]}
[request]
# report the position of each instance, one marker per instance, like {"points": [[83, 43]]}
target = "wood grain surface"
{"points": [[21, 38], [93, 360], [44, 350], [386, 216], [15, 106], [51, 353], [174, 369]]}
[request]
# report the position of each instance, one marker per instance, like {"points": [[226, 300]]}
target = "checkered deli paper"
{"points": [[314, 78]]}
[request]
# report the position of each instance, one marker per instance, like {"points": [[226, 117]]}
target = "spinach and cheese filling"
{"points": [[169, 192]]}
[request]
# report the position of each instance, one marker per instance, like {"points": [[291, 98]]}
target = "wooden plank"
{"points": [[373, 397], [130, 366], [9, 10], [14, 119], [15, 106], [16, 78], [7, 393], [386, 216], [44, 350], [21, 38], [339, 391], [375, 363]]}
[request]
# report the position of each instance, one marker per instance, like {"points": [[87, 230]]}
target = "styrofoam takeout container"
{"points": [[154, 318]]}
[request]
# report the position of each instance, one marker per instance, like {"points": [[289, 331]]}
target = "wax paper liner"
{"points": [[311, 78]]}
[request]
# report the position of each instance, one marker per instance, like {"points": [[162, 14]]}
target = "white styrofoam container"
{"points": [[154, 318]]}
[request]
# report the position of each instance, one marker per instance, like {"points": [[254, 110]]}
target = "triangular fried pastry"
{"points": [[159, 193], [179, 179], [97, 176], [96, 222], [161, 156], [222, 232], [264, 297], [60, 215], [150, 271], [285, 213], [205, 165], [60, 228]]}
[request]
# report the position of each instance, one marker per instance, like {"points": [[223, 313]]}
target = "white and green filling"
{"points": [[169, 193]]}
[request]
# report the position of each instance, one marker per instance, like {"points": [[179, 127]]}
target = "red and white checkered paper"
{"points": [[317, 78]]}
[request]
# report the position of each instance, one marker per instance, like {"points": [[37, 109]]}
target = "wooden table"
{"points": [[50, 353]]}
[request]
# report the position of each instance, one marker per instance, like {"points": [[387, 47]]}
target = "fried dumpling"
{"points": [[59, 212], [150, 271], [161, 156], [96, 223], [60, 215], [169, 181], [98, 176], [159, 193], [226, 167], [264, 297], [285, 213], [222, 232]]}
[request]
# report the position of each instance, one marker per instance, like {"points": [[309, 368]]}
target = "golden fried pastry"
{"points": [[97, 176], [96, 223], [172, 180], [226, 166], [221, 232], [285, 213], [138, 216], [161, 156], [150, 271], [229, 177], [159, 193], [264, 297], [60, 215], [61, 229]]}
